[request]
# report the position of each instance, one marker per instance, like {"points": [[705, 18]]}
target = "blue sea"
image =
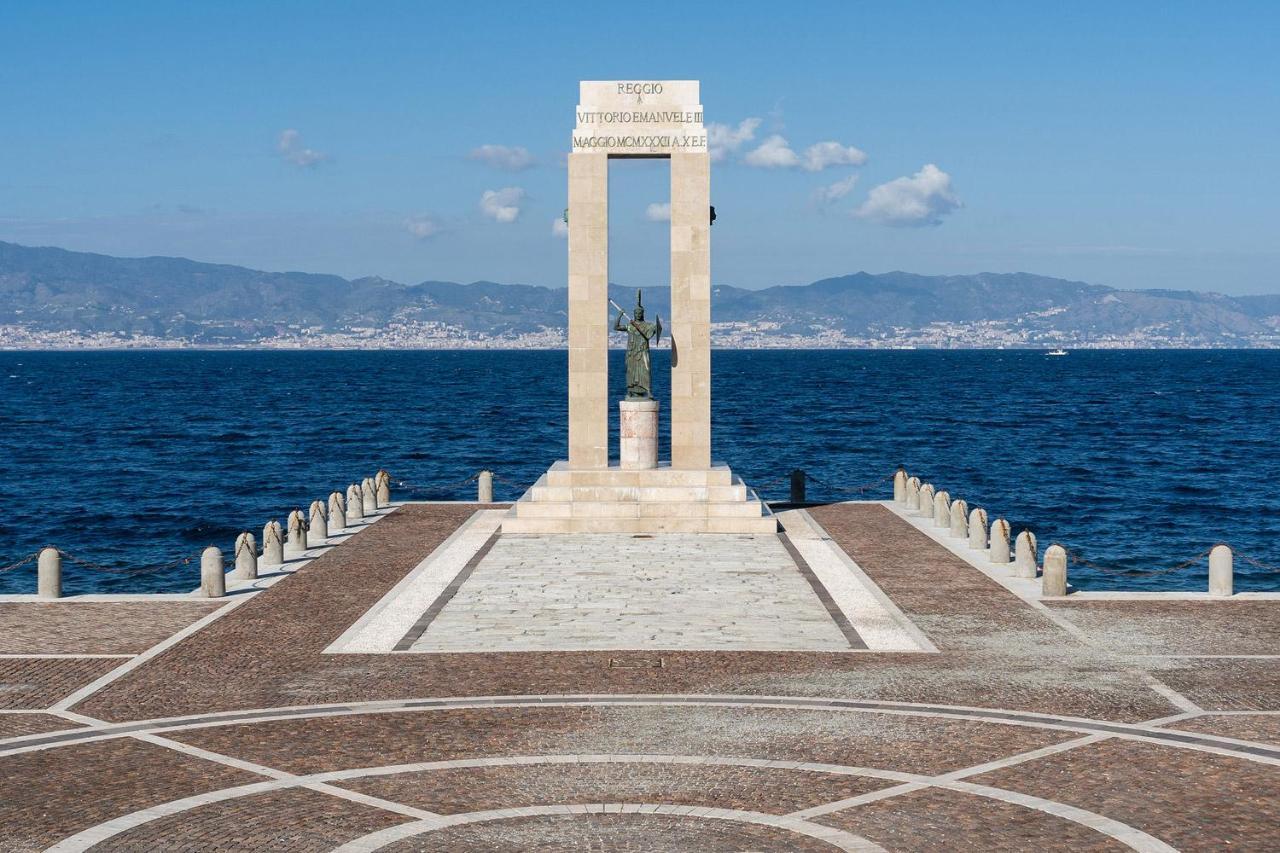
{"points": [[1136, 461]]}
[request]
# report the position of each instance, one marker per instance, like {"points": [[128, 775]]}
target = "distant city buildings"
{"points": [[1023, 333]]}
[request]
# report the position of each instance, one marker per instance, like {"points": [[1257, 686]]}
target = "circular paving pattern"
{"points": [[626, 800]]}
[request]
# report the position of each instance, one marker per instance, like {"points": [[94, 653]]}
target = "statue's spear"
{"points": [[622, 311], [631, 322]]}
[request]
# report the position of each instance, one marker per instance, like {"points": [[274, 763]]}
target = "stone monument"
{"points": [[585, 493]]}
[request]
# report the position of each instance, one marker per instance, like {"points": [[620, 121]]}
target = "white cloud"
{"points": [[292, 150], [502, 205], [422, 227], [559, 228], [776, 153], [922, 199], [508, 158], [773, 153], [658, 212], [824, 154], [823, 196], [723, 139]]}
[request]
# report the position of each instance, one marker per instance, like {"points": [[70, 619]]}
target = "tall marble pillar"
{"points": [[588, 309], [691, 310]]}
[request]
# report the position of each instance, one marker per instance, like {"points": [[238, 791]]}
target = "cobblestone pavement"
{"points": [[1099, 725]]}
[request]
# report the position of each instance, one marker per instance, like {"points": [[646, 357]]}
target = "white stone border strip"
{"points": [[383, 624], [880, 622], [795, 821], [1231, 747]]}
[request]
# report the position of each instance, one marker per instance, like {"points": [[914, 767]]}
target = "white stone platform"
{"points": [[658, 500]]}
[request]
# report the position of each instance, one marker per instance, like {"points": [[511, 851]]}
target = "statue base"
{"points": [[646, 501], [638, 434]]}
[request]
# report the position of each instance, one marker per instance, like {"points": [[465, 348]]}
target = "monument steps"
{"points": [[635, 509], [643, 494], [766, 525], [656, 500]]}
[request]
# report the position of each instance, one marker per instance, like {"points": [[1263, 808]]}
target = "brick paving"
{"points": [[932, 819], [773, 791], [1179, 627], [294, 820], [1226, 685], [869, 740], [49, 794], [1211, 803], [994, 651], [14, 725], [36, 683], [639, 833], [94, 628], [1262, 728]]}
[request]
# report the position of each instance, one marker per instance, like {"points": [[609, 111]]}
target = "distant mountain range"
{"points": [[53, 297]]}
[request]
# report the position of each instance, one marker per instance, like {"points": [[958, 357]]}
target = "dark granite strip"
{"points": [[420, 627], [837, 615]]}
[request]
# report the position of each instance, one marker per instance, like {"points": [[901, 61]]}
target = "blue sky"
{"points": [[1130, 144]]}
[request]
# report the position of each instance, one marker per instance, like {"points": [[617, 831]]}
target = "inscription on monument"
{"points": [[640, 117]]}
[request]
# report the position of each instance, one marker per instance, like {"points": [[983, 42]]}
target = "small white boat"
{"points": [[1056, 352]]}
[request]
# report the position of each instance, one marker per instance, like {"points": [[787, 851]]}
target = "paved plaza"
{"points": [[429, 684]]}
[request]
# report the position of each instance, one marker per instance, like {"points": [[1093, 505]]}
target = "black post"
{"points": [[797, 486]]}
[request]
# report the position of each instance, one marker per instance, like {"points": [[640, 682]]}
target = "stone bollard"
{"points": [[1220, 570], [942, 509], [913, 493], [382, 487], [900, 486], [926, 501], [1000, 541], [213, 583], [797, 486], [246, 557], [1054, 582], [272, 544], [367, 496], [318, 528], [49, 573], [959, 518], [978, 529], [355, 505], [297, 541], [337, 512], [1024, 564], [484, 487]]}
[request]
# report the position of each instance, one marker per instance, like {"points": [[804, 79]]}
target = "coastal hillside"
{"points": [[52, 297]]}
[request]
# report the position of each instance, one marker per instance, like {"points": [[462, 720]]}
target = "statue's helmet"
{"points": [[639, 312]]}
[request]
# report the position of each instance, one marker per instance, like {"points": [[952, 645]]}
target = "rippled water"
{"points": [[1135, 460]]}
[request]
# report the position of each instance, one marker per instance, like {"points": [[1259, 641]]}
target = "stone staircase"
{"points": [[658, 500]]}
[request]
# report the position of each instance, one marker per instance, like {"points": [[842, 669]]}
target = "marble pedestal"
{"points": [[637, 434]]}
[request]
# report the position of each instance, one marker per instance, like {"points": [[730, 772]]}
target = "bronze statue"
{"points": [[639, 334]]}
